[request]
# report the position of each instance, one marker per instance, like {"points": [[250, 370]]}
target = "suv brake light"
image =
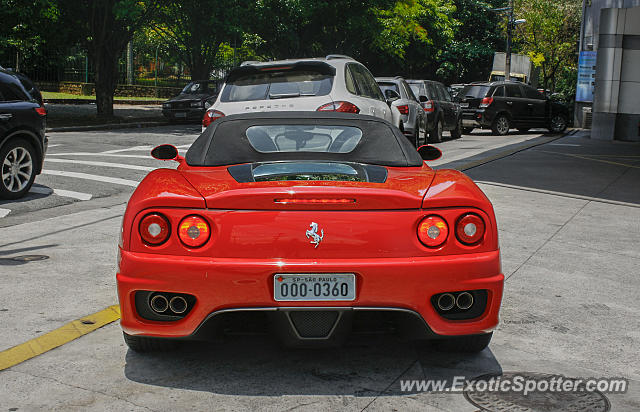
{"points": [[486, 102], [429, 107], [211, 116], [343, 107], [404, 109], [41, 111]]}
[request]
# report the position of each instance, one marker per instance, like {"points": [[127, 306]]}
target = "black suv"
{"points": [[442, 113], [192, 101], [22, 140], [501, 106]]}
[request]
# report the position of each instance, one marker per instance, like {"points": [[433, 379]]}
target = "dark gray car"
{"points": [[412, 117], [442, 113], [191, 103]]}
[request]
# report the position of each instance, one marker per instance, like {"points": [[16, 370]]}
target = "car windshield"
{"points": [[303, 138], [476, 92], [277, 85], [199, 88], [306, 171]]}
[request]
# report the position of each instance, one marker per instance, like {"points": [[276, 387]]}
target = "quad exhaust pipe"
{"points": [[178, 305], [448, 301], [159, 303]]}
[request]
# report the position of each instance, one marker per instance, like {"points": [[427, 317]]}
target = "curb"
{"points": [[136, 125], [90, 101]]}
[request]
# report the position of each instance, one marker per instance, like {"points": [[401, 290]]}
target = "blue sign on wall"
{"points": [[586, 76]]}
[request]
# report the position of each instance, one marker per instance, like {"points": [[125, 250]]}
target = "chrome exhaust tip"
{"points": [[464, 301], [159, 303], [178, 305], [446, 301]]}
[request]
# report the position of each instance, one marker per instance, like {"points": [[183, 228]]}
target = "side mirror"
{"points": [[429, 153], [165, 152], [423, 99]]}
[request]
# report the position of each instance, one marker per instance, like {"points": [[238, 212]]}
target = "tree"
{"points": [[105, 27], [550, 35]]}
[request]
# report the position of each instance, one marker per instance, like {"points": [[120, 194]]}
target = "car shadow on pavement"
{"points": [[260, 366]]}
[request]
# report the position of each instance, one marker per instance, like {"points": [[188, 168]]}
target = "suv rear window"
{"points": [[474, 91], [277, 85], [303, 138], [389, 86]]}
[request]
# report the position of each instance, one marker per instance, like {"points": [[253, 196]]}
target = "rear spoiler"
{"points": [[315, 66]]}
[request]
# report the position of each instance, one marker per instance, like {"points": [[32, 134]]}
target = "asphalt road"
{"points": [[569, 220]]}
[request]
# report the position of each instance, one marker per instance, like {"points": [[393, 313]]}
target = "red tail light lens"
{"points": [[404, 109], [343, 107], [429, 107], [154, 229], [486, 102], [194, 231], [41, 111], [433, 231], [211, 116], [470, 229]]}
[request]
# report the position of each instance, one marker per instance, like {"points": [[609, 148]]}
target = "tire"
{"points": [[457, 132], [435, 136], [463, 344], [523, 129], [467, 130], [501, 125], [17, 168], [143, 344], [416, 137], [558, 123]]}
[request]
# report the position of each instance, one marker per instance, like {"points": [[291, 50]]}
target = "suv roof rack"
{"points": [[338, 56]]}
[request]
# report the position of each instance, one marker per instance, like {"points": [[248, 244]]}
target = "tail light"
{"points": [[194, 231], [470, 229], [343, 107], [433, 231], [486, 102], [404, 109], [314, 201], [154, 229], [429, 107], [41, 111], [211, 116]]}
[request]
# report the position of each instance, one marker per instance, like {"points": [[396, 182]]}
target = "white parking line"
{"points": [[61, 192], [87, 176], [103, 164], [4, 212], [129, 149], [53, 145], [100, 155]]}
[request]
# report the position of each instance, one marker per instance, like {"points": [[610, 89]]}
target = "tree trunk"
{"points": [[200, 72], [106, 64]]}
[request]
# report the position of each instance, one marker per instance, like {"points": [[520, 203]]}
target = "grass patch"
{"points": [[57, 95]]}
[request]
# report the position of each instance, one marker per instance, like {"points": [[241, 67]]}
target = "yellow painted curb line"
{"points": [[58, 337]]}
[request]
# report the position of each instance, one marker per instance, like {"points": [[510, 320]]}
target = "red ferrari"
{"points": [[311, 226]]}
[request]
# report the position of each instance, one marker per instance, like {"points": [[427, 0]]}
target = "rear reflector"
{"points": [[313, 201], [154, 229], [194, 231], [343, 107], [433, 231]]}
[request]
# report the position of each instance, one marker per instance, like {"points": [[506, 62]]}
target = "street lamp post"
{"points": [[511, 24]]}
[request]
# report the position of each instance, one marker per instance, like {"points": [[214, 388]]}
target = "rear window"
{"points": [[303, 138], [415, 88], [476, 92], [389, 86], [306, 171], [200, 88], [277, 85]]}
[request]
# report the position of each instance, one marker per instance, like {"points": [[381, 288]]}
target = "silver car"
{"points": [[398, 92], [333, 83]]}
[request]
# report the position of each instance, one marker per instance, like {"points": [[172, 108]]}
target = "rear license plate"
{"points": [[464, 105], [181, 114], [314, 287]]}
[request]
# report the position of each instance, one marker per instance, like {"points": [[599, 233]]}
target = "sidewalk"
{"points": [[60, 116]]}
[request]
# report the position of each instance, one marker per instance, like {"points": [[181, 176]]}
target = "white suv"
{"points": [[333, 83]]}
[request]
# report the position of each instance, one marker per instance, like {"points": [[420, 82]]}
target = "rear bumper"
{"points": [[184, 114], [476, 118], [226, 284]]}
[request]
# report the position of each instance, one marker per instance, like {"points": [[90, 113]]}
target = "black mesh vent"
{"points": [[313, 324]]}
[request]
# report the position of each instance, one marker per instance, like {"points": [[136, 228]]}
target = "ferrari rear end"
{"points": [[309, 248]]}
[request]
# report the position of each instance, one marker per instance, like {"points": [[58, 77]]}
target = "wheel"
{"points": [[467, 130], [416, 137], [144, 344], [457, 132], [467, 344], [17, 168], [558, 124], [523, 129], [435, 136], [501, 125]]}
